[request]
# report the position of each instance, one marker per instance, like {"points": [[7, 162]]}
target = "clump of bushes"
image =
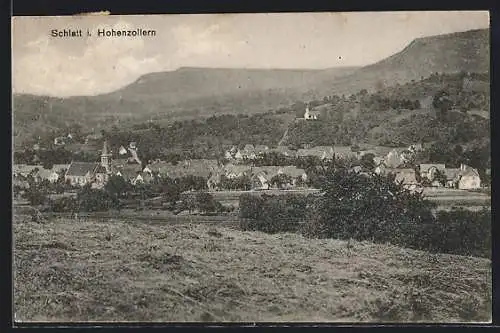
{"points": [[200, 201], [272, 213], [461, 232], [370, 207], [64, 204], [95, 200]]}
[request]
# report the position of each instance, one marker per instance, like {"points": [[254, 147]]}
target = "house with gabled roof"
{"points": [[260, 181], [284, 151], [248, 152], [405, 176], [129, 173], [234, 171], [122, 151], [46, 174], [293, 172], [261, 149], [213, 182], [141, 178], [394, 159], [322, 152], [469, 178], [464, 178], [59, 167], [345, 152]]}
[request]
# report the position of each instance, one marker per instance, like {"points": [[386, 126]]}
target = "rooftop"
{"points": [[81, 168]]}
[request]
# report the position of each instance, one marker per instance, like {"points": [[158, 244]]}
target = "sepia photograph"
{"points": [[312, 167]]}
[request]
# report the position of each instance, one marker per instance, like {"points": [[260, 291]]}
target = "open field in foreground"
{"points": [[116, 271]]}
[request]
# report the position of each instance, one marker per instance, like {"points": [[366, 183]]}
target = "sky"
{"points": [[54, 66]]}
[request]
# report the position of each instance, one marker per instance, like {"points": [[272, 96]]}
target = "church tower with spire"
{"points": [[106, 157]]}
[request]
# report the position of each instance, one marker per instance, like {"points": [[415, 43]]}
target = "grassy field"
{"points": [[116, 271], [447, 198], [444, 197]]}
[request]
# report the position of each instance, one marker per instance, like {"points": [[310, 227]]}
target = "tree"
{"points": [[191, 182], [35, 195], [64, 204], [205, 202], [94, 200], [300, 182], [442, 103], [367, 161], [281, 180], [239, 183], [169, 189], [369, 208], [117, 187], [440, 177]]}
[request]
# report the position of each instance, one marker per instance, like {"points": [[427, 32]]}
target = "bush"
{"points": [[206, 203], [272, 213], [368, 208], [93, 200], [373, 208], [461, 232], [35, 195], [376, 208], [65, 204], [201, 201]]}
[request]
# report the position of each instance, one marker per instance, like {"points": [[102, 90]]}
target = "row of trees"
{"points": [[48, 157], [117, 190]]}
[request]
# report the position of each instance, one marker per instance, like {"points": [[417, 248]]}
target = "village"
{"points": [[249, 169]]}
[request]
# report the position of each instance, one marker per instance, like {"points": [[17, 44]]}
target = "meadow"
{"points": [[115, 270]]}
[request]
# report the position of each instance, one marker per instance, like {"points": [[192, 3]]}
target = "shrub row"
{"points": [[375, 208]]}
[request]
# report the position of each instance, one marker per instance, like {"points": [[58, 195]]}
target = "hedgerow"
{"points": [[370, 207]]}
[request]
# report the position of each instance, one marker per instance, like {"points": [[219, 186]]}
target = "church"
{"points": [[95, 173], [311, 114]]}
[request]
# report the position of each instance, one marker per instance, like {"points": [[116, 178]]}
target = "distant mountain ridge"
{"points": [[197, 92], [461, 51], [188, 83]]}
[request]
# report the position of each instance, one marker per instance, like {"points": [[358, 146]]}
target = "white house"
{"points": [[464, 178], [469, 178], [393, 158], [380, 168], [406, 177], [260, 182], [122, 151], [235, 171], [322, 152], [311, 115], [59, 141]]}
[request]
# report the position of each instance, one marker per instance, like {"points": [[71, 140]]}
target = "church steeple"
{"points": [[105, 157], [307, 115]]}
